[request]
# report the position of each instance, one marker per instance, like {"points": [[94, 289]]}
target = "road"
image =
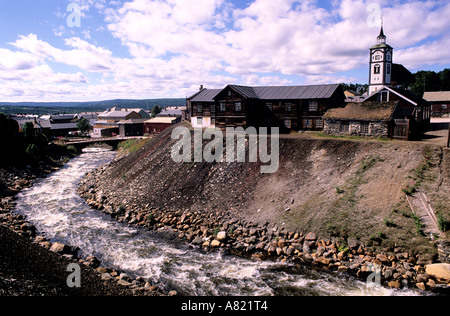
{"points": [[437, 134]]}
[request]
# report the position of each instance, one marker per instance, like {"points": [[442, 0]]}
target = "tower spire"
{"points": [[381, 39]]}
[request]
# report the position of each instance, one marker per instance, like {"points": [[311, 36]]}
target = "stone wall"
{"points": [[376, 129]]}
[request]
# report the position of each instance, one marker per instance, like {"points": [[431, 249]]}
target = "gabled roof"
{"points": [[122, 114], [404, 94], [205, 95], [364, 111], [442, 96], [285, 92]]}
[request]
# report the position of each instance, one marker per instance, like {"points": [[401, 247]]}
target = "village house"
{"points": [[291, 108], [370, 119], [40, 125], [109, 123], [440, 102], [63, 124], [160, 123]]}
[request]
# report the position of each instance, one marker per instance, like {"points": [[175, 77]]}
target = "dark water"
{"points": [[55, 208]]}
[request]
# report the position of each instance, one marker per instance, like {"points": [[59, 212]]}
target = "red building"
{"points": [[159, 124]]}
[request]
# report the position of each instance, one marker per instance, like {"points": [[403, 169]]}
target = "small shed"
{"points": [[159, 124], [371, 119], [131, 127]]}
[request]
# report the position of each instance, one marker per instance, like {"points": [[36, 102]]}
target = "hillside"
{"points": [[327, 186], [39, 108]]}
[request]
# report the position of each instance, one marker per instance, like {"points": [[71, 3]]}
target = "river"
{"points": [[61, 215]]}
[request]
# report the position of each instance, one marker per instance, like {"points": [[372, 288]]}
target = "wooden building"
{"points": [[159, 124], [440, 102], [370, 119], [107, 123], [291, 108], [413, 106]]}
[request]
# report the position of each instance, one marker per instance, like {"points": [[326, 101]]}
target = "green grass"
{"points": [[349, 137], [133, 145]]}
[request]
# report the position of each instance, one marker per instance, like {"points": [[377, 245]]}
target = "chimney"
{"points": [[201, 87]]}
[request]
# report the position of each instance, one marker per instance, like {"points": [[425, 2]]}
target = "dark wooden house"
{"points": [[413, 107], [440, 102], [291, 108]]}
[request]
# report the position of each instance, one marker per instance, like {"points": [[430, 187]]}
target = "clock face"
{"points": [[378, 56]]}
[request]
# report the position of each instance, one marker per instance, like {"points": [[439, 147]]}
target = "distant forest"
{"points": [[39, 108], [422, 81]]}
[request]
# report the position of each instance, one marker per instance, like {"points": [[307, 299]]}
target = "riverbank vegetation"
{"points": [[26, 146]]}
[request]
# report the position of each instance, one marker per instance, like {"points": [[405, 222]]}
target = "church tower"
{"points": [[380, 64]]}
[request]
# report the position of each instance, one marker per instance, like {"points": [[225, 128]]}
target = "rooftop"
{"points": [[441, 96], [365, 111], [271, 93]]}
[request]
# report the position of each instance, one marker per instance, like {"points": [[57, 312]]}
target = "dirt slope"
{"points": [[331, 187]]}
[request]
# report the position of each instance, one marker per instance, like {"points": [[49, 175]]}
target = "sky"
{"points": [[90, 50]]}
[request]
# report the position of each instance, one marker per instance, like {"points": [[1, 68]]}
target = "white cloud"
{"points": [[176, 45]]}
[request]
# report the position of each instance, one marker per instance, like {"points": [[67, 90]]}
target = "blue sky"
{"points": [[168, 48]]}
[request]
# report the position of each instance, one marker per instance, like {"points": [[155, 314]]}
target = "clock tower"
{"points": [[380, 64]]}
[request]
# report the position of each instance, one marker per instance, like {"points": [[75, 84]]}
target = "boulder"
{"points": [[215, 243], [323, 260], [197, 240], [352, 243], [440, 271], [394, 284], [310, 236], [221, 236]]}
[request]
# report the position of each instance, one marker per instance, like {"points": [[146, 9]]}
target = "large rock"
{"points": [[222, 236], [440, 271], [310, 237], [63, 249]]}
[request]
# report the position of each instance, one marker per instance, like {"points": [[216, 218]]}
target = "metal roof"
{"points": [[296, 92], [206, 95], [272, 93]]}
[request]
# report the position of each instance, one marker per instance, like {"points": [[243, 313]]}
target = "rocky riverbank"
{"points": [[32, 265], [213, 229]]}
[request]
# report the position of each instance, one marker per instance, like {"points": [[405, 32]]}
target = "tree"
{"points": [[83, 125], [156, 110]]}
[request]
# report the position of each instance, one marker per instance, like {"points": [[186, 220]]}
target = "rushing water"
{"points": [[57, 211]]}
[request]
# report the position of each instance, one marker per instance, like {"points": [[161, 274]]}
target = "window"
{"points": [[238, 106], [287, 123], [229, 93], [199, 120], [288, 106], [213, 108], [377, 69], [308, 123], [313, 106], [222, 107], [384, 96], [199, 108], [388, 69], [345, 127], [213, 121], [319, 123], [365, 128], [269, 105]]}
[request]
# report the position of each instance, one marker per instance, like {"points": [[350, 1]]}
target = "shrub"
{"points": [[443, 224]]}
